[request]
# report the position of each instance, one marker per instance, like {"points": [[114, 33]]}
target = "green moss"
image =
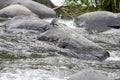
{"points": [[70, 66], [3, 19], [7, 55], [9, 38], [111, 66], [37, 56]]}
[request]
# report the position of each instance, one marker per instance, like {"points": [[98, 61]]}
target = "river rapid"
{"points": [[22, 58]]}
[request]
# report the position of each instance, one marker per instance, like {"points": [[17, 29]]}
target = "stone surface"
{"points": [[97, 21], [15, 10], [41, 10], [89, 74], [28, 23], [77, 45]]}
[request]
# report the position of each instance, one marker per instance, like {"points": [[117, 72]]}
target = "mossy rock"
{"points": [[3, 19], [8, 55]]}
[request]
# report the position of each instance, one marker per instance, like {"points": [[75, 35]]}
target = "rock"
{"points": [[66, 41], [5, 3], [97, 21], [77, 45], [39, 9], [28, 22], [15, 10], [107, 38], [87, 74], [45, 2]]}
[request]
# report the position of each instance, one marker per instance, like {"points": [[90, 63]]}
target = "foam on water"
{"points": [[69, 23], [28, 74], [114, 56]]}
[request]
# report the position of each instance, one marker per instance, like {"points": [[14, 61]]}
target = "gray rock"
{"points": [[41, 10], [77, 45], [66, 41], [5, 3], [97, 21], [28, 22], [45, 2], [15, 10], [87, 74]]}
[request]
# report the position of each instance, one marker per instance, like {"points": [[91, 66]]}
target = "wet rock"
{"points": [[101, 21], [77, 45], [15, 10], [4, 3], [39, 9], [28, 22], [87, 74], [111, 37], [112, 32]]}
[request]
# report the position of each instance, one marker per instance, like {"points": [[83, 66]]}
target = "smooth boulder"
{"points": [[5, 3], [28, 23], [66, 41], [76, 45], [15, 10], [39, 9], [97, 21], [90, 74]]}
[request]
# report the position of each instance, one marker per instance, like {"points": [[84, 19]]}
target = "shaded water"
{"points": [[23, 58]]}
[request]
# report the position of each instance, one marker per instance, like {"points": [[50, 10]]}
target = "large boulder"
{"points": [[39, 9], [76, 45], [15, 10], [97, 21], [5, 3], [90, 74], [66, 41], [27, 22]]}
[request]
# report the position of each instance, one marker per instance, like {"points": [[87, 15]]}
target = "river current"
{"points": [[21, 59]]}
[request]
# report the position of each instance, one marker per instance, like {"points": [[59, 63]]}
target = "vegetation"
{"points": [[77, 7]]}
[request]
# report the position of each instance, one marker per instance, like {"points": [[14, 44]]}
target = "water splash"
{"points": [[58, 2], [115, 56], [28, 74]]}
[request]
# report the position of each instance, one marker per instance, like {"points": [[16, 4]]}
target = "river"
{"points": [[21, 57]]}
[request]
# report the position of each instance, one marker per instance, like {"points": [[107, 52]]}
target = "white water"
{"points": [[28, 74], [114, 56], [14, 73], [69, 23], [58, 2]]}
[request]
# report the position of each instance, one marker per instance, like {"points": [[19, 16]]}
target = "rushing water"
{"points": [[21, 59]]}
